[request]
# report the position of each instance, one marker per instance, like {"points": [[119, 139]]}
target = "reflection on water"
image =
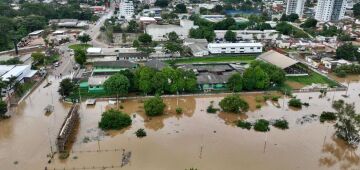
{"points": [[337, 151], [178, 141]]}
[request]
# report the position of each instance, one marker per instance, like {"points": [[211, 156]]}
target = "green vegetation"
{"points": [[80, 56], [281, 124], [18, 23], [235, 82], [255, 78], [214, 59], [113, 119], [344, 70], [117, 84], [230, 36], [347, 126], [309, 23], [313, 77], [356, 9], [64, 155], [140, 133], [348, 52], [243, 124], [275, 98], [211, 109], [80, 46], [154, 106], [287, 29], [180, 8], [291, 18], [85, 38], [295, 103], [67, 87], [179, 110], [144, 44], [3, 108], [168, 80], [327, 116], [233, 103], [262, 125], [11, 61]]}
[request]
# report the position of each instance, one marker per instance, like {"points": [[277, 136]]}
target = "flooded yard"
{"points": [[193, 139]]}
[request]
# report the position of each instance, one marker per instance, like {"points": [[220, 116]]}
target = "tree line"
{"points": [[15, 24], [259, 76]]}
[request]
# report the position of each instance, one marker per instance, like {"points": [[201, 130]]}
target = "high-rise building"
{"points": [[295, 7], [330, 10], [126, 9]]}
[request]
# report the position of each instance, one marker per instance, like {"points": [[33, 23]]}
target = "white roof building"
{"points": [[235, 48], [94, 50]]}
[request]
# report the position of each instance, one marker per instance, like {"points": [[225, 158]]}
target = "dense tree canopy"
{"points": [[234, 104], [117, 84], [113, 119], [230, 36], [348, 52], [180, 8], [309, 23], [154, 106], [80, 56], [66, 87], [161, 3], [235, 82], [356, 10], [255, 78], [16, 24]]}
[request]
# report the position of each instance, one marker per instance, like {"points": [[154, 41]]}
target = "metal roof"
{"points": [[277, 59]]}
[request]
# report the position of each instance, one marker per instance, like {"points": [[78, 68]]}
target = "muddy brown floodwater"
{"points": [[178, 141]]}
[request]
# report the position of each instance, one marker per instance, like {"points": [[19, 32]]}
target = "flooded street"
{"points": [[193, 139]]}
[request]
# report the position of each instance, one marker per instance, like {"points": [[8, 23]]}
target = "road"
{"points": [[94, 30], [67, 61]]}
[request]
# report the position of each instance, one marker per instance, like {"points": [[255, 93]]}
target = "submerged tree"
{"points": [[348, 123]]}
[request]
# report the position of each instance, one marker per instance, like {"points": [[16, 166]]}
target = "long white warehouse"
{"points": [[235, 48]]}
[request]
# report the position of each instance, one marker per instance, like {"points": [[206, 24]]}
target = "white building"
{"points": [[330, 10], [235, 48], [295, 7], [126, 9], [159, 32], [20, 72], [249, 34], [198, 47]]}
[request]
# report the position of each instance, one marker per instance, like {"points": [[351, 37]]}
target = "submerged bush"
{"points": [[140, 133], [275, 98], [233, 103], [211, 109], [262, 125], [154, 106], [327, 116], [179, 110], [281, 124], [243, 124], [295, 103], [113, 119]]}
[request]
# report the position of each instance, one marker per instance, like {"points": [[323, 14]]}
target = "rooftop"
{"points": [[240, 44], [277, 59], [115, 64]]}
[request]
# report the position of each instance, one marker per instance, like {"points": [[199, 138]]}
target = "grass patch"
{"points": [[214, 59], [312, 78], [80, 46]]}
